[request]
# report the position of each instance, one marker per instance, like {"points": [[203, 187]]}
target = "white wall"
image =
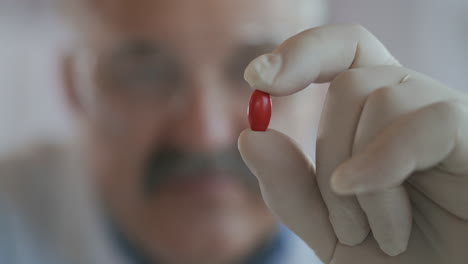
{"points": [[429, 36], [31, 102]]}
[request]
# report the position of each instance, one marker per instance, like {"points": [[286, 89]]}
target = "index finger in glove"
{"points": [[314, 56]]}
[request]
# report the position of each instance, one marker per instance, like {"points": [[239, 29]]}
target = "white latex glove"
{"points": [[392, 142]]}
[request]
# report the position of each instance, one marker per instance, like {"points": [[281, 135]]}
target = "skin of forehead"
{"points": [[99, 19]]}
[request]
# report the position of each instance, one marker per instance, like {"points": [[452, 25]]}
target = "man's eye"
{"points": [[235, 69], [152, 75], [145, 80], [239, 60]]}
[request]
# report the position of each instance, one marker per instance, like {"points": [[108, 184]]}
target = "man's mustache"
{"points": [[161, 166]]}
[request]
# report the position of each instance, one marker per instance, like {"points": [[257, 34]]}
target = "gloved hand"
{"points": [[392, 153]]}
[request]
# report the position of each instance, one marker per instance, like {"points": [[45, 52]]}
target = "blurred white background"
{"points": [[430, 36], [31, 103]]}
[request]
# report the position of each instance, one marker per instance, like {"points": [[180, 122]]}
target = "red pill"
{"points": [[259, 111]]}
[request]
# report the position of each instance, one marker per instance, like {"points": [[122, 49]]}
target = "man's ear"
{"points": [[69, 84]]}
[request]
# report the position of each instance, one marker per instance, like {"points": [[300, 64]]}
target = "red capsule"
{"points": [[259, 111]]}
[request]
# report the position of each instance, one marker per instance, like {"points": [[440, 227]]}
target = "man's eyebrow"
{"points": [[256, 49], [136, 49]]}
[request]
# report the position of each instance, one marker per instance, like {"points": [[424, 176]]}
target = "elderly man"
{"points": [[158, 88]]}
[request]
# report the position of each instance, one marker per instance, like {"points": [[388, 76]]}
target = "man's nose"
{"points": [[210, 121]]}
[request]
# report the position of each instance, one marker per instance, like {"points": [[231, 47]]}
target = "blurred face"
{"points": [[160, 89]]}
